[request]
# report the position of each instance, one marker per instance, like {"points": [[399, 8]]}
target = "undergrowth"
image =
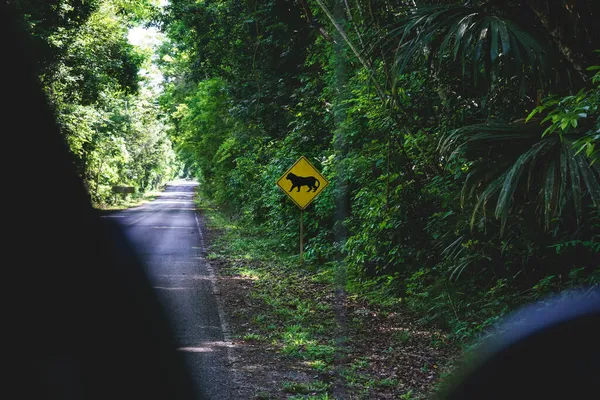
{"points": [[355, 338]]}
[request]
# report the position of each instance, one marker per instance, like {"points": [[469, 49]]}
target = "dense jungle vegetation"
{"points": [[461, 138]]}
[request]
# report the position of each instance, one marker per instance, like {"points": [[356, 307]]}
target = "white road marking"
{"points": [[182, 277], [179, 209], [208, 346], [196, 349], [213, 282], [200, 233], [171, 227]]}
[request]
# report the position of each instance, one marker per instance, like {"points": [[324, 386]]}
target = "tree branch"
{"points": [[313, 21]]}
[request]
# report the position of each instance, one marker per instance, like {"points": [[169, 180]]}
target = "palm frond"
{"points": [[514, 166], [513, 176], [487, 41]]}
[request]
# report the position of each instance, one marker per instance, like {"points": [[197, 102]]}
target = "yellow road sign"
{"points": [[302, 182]]}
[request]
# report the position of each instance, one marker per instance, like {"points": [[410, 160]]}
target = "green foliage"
{"points": [[90, 73], [297, 318], [575, 114], [518, 157], [442, 195], [486, 42], [305, 388], [204, 124]]}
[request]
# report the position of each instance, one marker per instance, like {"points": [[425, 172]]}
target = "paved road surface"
{"points": [[166, 233]]}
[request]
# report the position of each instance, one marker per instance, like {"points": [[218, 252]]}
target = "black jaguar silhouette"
{"points": [[299, 181]]}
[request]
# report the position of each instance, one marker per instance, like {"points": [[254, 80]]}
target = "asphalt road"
{"points": [[168, 237]]}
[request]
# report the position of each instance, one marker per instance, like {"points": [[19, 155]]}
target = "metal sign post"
{"points": [[301, 237]]}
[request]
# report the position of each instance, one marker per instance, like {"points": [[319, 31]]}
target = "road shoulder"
{"points": [[296, 336]]}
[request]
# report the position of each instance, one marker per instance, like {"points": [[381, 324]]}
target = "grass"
{"points": [[319, 365], [296, 322], [292, 312], [402, 336], [312, 388], [323, 396], [254, 337], [130, 201], [294, 318]]}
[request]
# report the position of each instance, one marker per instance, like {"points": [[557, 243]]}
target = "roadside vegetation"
{"points": [[310, 338], [460, 140], [100, 87], [124, 201]]}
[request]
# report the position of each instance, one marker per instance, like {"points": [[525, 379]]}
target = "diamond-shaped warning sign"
{"points": [[302, 182]]}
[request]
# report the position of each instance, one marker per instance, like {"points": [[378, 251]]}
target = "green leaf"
{"points": [[549, 195], [533, 113], [478, 35], [589, 149], [494, 33], [575, 184]]}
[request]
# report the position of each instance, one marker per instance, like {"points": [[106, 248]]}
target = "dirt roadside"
{"points": [[284, 325]]}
